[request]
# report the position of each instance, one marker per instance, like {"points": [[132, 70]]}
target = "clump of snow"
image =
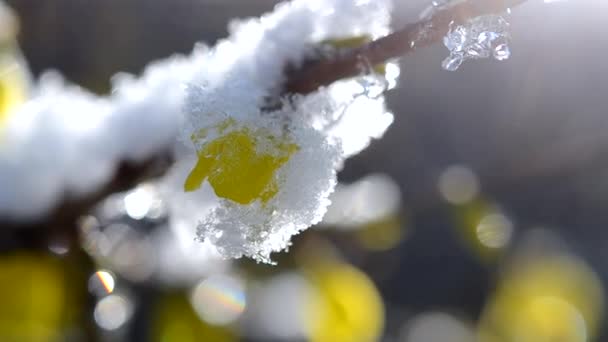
{"points": [[481, 37], [68, 141], [327, 126]]}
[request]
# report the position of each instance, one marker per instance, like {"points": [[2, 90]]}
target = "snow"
{"points": [[335, 122], [68, 141], [261, 176]]}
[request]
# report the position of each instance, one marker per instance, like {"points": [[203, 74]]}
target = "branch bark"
{"points": [[308, 78]]}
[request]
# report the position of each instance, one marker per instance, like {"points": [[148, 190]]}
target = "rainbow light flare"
{"points": [[219, 299], [106, 279]]}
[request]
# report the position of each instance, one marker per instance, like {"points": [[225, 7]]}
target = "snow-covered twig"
{"points": [[423, 33], [304, 80]]}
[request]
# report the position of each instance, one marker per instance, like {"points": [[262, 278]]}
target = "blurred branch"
{"points": [[62, 221], [306, 79]]}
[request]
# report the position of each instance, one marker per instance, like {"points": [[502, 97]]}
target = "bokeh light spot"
{"points": [[436, 327], [371, 199], [345, 305], [59, 246], [494, 231], [219, 299], [139, 202], [112, 312], [277, 308], [544, 298], [550, 318], [458, 184], [102, 282]]}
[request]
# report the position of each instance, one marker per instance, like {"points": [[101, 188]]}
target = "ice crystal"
{"points": [[481, 37]]}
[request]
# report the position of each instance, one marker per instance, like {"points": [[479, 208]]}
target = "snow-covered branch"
{"points": [[428, 31], [257, 164]]}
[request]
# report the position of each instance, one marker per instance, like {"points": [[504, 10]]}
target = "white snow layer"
{"points": [[67, 141], [327, 126]]}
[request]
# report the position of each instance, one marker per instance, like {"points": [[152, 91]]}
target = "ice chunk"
{"points": [[480, 37], [502, 52], [453, 61]]}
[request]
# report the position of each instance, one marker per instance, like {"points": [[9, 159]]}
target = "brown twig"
{"points": [[311, 76], [426, 32]]}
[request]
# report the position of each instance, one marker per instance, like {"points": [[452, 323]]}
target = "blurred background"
{"points": [[480, 216]]}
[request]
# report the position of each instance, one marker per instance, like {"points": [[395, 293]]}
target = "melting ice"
{"points": [[481, 37]]}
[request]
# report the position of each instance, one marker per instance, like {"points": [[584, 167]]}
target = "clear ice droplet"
{"points": [[486, 38], [481, 37], [452, 62], [478, 51], [502, 52], [455, 40]]}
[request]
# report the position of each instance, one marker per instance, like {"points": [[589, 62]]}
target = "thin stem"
{"points": [[423, 33]]}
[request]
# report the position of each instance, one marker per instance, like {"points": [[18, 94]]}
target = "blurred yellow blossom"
{"points": [[546, 299], [13, 74], [346, 306], [39, 302], [175, 320]]}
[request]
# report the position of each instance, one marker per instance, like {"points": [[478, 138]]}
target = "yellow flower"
{"points": [[241, 164]]}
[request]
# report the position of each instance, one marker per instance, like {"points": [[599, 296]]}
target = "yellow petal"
{"points": [[241, 165]]}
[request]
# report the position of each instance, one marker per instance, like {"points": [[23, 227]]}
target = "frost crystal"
{"points": [[481, 37]]}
